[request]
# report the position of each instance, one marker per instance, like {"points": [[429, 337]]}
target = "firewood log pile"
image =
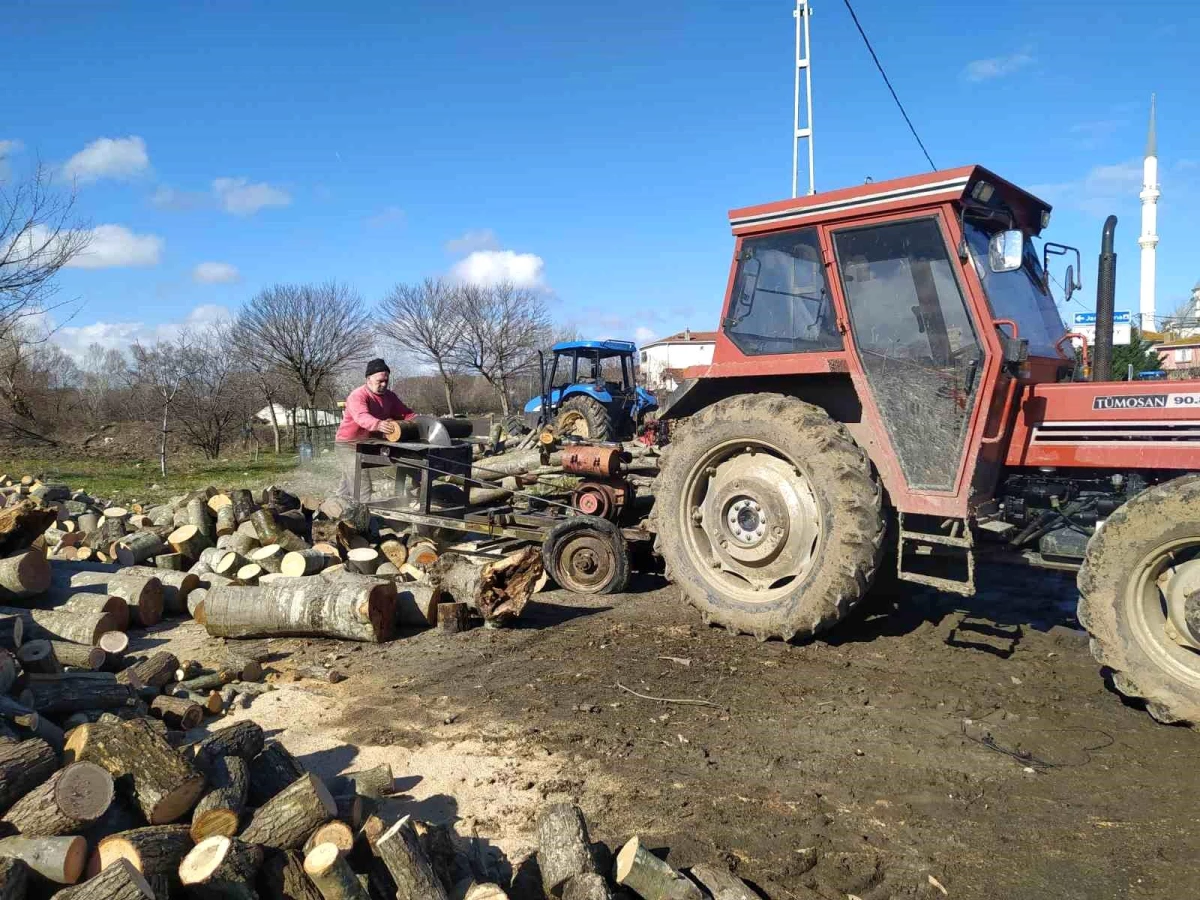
{"points": [[120, 808], [75, 568]]}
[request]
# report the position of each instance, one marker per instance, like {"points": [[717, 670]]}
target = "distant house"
{"points": [[310, 417], [662, 362], [1179, 354]]}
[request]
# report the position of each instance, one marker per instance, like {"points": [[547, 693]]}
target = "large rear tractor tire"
{"points": [[1139, 599], [768, 515], [586, 418]]}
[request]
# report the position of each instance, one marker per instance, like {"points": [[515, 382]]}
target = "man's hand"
{"points": [[386, 425]]}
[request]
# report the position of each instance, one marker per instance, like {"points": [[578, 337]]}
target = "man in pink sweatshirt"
{"points": [[370, 410]]}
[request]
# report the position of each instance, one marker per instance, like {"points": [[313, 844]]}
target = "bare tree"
{"points": [[268, 376], [503, 327], [161, 370], [37, 238], [308, 331], [104, 373], [216, 395], [37, 382], [426, 319]]}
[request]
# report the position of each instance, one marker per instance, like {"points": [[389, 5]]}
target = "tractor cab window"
{"points": [[781, 301], [916, 342], [1019, 295]]}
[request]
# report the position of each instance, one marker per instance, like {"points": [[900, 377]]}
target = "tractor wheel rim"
{"points": [[751, 520], [584, 563], [1146, 608], [574, 424]]}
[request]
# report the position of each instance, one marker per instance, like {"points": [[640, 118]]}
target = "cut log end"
{"points": [[84, 791], [214, 823]]}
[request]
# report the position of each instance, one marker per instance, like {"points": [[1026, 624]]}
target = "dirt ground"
{"points": [[931, 746]]}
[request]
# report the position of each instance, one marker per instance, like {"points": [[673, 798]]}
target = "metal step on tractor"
{"points": [[589, 392], [893, 385]]}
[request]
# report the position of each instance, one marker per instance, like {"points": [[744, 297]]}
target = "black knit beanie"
{"points": [[377, 365]]}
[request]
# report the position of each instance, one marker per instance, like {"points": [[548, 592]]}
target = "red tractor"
{"points": [[890, 354]]}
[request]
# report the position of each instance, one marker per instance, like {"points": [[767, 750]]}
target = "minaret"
{"points": [[1149, 237]]}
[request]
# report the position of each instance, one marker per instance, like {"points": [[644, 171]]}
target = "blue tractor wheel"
{"points": [[585, 418]]}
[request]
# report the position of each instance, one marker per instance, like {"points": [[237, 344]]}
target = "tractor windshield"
{"points": [[1019, 295]]}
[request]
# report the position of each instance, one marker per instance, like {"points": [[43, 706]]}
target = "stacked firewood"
{"points": [[119, 812], [242, 565]]}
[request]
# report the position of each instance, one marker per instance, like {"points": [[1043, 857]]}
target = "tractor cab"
{"points": [[590, 391]]}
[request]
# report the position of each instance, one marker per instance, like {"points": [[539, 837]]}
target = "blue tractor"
{"points": [[589, 392]]}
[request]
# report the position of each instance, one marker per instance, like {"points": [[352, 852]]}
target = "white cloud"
{"points": [[997, 66], [8, 149], [215, 273], [115, 246], [241, 198], [475, 239], [643, 335], [1100, 190], [121, 158], [485, 267], [75, 339]]}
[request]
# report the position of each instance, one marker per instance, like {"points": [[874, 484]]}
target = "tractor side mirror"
{"points": [[1070, 286], [1005, 251]]}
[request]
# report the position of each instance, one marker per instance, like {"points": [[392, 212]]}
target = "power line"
{"points": [[886, 81]]}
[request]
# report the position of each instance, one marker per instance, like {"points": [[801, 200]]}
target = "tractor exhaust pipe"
{"points": [[1106, 287]]}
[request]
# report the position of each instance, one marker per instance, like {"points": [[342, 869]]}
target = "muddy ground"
{"points": [[932, 746]]}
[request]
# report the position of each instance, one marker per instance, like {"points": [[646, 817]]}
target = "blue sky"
{"points": [[592, 149]]}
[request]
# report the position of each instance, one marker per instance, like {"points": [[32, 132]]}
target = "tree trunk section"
{"points": [[644, 873], [60, 859], [563, 846], [156, 851], [156, 670], [395, 551], [336, 832], [228, 562], [79, 656], [584, 886], [299, 563], [219, 811], [73, 797], [188, 541], [249, 574], [75, 691], [37, 658], [197, 514], [400, 849], [177, 712], [242, 543], [174, 561], [226, 520], [283, 876], [243, 503], [96, 603], [269, 556], [175, 585], [14, 879], [24, 575], [722, 884], [363, 560], [48, 624], [453, 618], [22, 524], [221, 868], [23, 766], [298, 607], [139, 547], [163, 784], [332, 875], [289, 817], [271, 771], [143, 594], [8, 671], [120, 881], [195, 604]]}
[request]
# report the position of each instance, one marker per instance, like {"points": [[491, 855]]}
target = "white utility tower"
{"points": [[1149, 237], [803, 72]]}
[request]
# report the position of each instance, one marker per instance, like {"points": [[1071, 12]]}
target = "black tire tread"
{"points": [[600, 423], [853, 553], [1112, 553]]}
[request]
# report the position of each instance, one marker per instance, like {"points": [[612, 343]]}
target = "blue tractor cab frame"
{"points": [[589, 392]]}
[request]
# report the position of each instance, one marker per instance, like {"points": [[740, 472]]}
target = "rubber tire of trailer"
{"points": [[618, 579], [1116, 556], [848, 492]]}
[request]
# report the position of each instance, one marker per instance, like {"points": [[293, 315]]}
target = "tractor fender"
{"points": [[587, 390]]}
